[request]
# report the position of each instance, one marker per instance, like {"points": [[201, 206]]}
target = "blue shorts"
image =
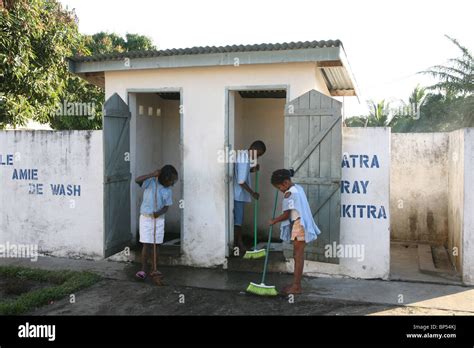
{"points": [[238, 213]]}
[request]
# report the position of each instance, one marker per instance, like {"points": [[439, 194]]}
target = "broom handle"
{"points": [[269, 239], [255, 214]]}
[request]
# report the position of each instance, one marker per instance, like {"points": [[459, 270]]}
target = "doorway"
{"points": [[255, 113], [156, 140]]}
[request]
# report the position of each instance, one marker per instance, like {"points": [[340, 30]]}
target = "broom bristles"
{"points": [[262, 289], [255, 254]]}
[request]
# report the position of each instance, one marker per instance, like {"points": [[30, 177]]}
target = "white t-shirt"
{"points": [[288, 204]]}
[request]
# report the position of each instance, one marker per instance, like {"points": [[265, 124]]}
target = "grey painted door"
{"points": [[313, 148], [116, 133]]}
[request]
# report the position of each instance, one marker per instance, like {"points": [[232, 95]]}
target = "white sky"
{"points": [[387, 42]]}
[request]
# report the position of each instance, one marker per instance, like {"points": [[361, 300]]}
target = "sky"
{"points": [[387, 42]]}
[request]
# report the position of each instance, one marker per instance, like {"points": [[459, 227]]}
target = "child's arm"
{"points": [[142, 178], [282, 217], [162, 211], [247, 188]]}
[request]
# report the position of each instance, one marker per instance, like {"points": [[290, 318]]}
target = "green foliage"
{"points": [[356, 121], [65, 283], [36, 37], [378, 116], [80, 91], [440, 114], [449, 105], [457, 77]]}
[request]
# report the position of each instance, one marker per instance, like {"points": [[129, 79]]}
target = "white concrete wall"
{"points": [[461, 202], [261, 119], [372, 234], [455, 202], [419, 187], [468, 215], [204, 96], [62, 225]]}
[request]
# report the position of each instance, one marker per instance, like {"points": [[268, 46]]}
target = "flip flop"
{"points": [[140, 275]]}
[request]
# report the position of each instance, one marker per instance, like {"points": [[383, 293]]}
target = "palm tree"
{"points": [[378, 114], [457, 77], [417, 97]]}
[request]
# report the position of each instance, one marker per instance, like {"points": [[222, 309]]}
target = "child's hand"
{"points": [[156, 215], [271, 222], [255, 169], [255, 195], [156, 173]]}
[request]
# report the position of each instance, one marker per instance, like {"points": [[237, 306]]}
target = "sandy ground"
{"points": [[198, 291], [117, 297]]}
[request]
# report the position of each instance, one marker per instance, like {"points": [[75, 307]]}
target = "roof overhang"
{"points": [[331, 60]]}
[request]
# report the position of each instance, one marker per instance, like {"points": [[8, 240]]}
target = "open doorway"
{"points": [[255, 114], [156, 140]]}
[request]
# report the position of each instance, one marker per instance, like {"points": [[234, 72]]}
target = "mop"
{"points": [[262, 289], [155, 275], [255, 254]]}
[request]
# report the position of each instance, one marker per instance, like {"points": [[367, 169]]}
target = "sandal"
{"points": [[140, 275]]}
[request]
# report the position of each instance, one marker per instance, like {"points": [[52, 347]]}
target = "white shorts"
{"points": [[146, 229]]}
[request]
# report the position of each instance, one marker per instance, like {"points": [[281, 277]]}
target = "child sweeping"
{"points": [[157, 197], [297, 223], [242, 187]]}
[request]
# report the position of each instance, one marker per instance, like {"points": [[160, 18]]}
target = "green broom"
{"points": [[262, 289], [255, 254]]}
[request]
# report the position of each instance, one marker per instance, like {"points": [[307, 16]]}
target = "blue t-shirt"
{"points": [[164, 196], [241, 175]]}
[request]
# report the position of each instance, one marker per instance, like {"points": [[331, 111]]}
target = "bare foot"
{"points": [[285, 289], [157, 281], [156, 274], [292, 289]]}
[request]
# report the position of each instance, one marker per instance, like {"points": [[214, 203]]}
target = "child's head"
{"points": [[281, 179], [259, 147], [168, 176]]}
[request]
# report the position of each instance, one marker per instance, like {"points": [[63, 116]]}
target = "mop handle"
{"points": [[269, 239], [255, 214]]}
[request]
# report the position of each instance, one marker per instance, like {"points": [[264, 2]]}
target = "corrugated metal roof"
{"points": [[337, 78], [209, 50]]}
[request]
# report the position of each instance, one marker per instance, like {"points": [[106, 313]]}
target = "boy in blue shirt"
{"points": [[243, 192], [157, 197]]}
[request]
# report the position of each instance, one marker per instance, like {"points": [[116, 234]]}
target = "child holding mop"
{"points": [[297, 223], [157, 197]]}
